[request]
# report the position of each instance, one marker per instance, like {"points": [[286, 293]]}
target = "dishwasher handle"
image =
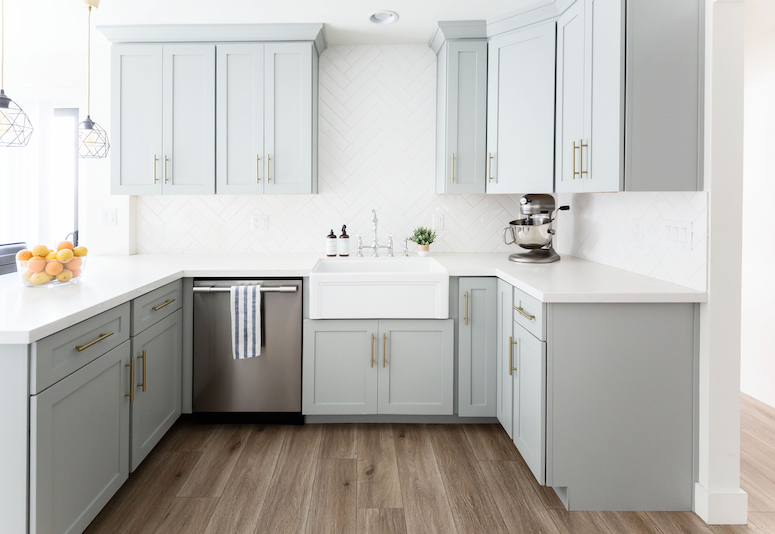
{"points": [[211, 289]]}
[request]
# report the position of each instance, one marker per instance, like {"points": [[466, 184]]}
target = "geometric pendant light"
{"points": [[92, 138], [15, 128]]}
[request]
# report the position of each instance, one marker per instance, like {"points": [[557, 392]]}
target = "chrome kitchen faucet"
{"points": [[375, 246]]}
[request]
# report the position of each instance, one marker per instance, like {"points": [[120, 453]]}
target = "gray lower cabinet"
{"points": [[357, 367], [505, 356], [79, 444], [528, 355], [157, 355], [477, 347]]}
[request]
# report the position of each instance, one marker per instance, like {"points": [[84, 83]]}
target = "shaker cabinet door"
{"points": [[520, 108], [240, 119], [158, 354], [289, 139], [136, 112], [79, 444], [477, 347], [188, 164], [529, 409], [340, 367], [416, 367]]}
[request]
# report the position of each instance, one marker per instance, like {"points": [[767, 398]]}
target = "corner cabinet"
{"points": [[215, 109], [378, 367], [461, 117]]}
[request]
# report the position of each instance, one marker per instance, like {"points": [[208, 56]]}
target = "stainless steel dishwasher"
{"points": [[266, 388]]}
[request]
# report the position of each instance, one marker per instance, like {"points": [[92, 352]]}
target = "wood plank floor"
{"points": [[386, 479]]}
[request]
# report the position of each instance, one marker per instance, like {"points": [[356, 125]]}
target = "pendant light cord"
{"points": [[88, 69]]}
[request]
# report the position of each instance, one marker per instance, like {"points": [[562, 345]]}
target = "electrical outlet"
{"points": [[677, 234], [438, 221], [637, 230], [108, 218], [258, 223]]}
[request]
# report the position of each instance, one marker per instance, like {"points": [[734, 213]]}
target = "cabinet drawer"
{"points": [[529, 313], [156, 305], [56, 356]]}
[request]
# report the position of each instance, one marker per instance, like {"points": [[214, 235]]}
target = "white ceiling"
{"points": [[346, 21]]}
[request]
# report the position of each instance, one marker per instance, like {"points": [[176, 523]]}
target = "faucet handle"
{"points": [[360, 246], [390, 245], [406, 248]]}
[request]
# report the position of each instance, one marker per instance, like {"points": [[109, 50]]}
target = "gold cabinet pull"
{"points": [[143, 384], [131, 393], [384, 339], [166, 159], [453, 167], [372, 350], [522, 312], [489, 167], [574, 159], [166, 303], [267, 168], [258, 165], [511, 355], [582, 146], [79, 348], [155, 161], [466, 308]]}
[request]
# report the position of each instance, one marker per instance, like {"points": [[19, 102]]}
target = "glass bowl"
{"points": [[38, 272]]}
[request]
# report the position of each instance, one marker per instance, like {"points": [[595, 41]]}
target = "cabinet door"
{"points": [[529, 429], [572, 97], [288, 133], [188, 164], [520, 122], [79, 444], [504, 375], [477, 352], [136, 131], [158, 354], [340, 367], [466, 109], [417, 366], [240, 119], [605, 38]]}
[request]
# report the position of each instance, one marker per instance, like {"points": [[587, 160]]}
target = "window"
{"points": [[39, 182]]}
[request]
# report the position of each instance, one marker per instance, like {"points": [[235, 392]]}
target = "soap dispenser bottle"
{"points": [[331, 244], [344, 242]]}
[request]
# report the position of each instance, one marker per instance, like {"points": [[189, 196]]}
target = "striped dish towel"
{"points": [[245, 321]]}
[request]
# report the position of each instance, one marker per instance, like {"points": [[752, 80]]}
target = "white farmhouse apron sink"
{"points": [[379, 288]]}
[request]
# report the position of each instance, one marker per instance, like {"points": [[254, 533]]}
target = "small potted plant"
{"points": [[423, 237]]}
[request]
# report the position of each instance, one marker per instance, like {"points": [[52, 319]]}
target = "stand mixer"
{"points": [[533, 230]]}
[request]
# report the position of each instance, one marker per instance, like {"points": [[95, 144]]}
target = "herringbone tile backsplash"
{"points": [[376, 151]]}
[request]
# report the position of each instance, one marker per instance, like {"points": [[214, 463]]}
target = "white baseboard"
{"points": [[721, 508]]}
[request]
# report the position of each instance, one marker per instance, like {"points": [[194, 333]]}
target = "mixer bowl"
{"points": [[529, 235]]}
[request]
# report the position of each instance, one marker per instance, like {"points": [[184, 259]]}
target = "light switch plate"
{"points": [[677, 234], [258, 223], [108, 217], [438, 221]]}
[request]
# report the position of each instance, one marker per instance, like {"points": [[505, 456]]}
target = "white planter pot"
{"points": [[422, 250]]}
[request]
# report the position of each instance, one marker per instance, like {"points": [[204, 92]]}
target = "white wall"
{"points": [[758, 315]]}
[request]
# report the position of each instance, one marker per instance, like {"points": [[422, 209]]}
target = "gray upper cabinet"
{"points": [[240, 119], [188, 162], [290, 121], [461, 117], [136, 133], [520, 109], [477, 347]]}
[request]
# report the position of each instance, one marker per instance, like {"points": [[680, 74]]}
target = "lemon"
{"points": [[65, 255], [40, 278], [40, 250], [80, 251], [65, 276], [51, 256]]}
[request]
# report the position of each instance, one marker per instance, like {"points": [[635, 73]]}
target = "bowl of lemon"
{"points": [[46, 267]]}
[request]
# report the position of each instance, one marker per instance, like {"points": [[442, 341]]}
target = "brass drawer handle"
{"points": [[384, 339], [582, 146], [131, 393], [143, 384], [160, 306], [466, 308], [511, 355], [79, 348], [574, 159], [372, 350], [522, 312]]}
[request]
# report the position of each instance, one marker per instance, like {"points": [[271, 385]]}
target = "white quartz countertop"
{"points": [[29, 314]]}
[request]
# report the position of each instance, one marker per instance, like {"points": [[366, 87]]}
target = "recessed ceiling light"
{"points": [[383, 17]]}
